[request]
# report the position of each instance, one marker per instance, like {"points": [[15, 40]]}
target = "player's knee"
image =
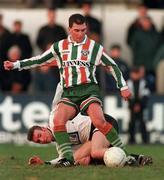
{"points": [[94, 154], [59, 127], [98, 123], [103, 127]]}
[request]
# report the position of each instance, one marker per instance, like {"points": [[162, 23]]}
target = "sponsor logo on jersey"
{"points": [[85, 52], [76, 63]]}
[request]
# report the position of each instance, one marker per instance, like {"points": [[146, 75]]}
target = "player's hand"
{"points": [[35, 160], [8, 65], [126, 94]]}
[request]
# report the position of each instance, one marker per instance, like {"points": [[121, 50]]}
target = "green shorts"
{"points": [[81, 96]]}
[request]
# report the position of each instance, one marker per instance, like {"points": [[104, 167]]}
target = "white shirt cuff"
{"points": [[124, 88], [16, 65]]}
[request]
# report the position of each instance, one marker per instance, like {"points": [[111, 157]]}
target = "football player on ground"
{"points": [[88, 143]]}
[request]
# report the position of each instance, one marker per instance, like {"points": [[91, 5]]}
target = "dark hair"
{"points": [[52, 9], [115, 46], [135, 69], [139, 5], [18, 22], [30, 132], [76, 18], [86, 2]]}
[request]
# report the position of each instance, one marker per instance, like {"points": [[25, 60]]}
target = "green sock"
{"points": [[115, 140], [63, 141]]}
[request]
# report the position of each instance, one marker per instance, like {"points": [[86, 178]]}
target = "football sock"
{"points": [[64, 147], [115, 140]]}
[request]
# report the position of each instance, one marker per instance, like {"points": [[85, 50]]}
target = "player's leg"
{"points": [[143, 128], [99, 142], [112, 121], [131, 127], [62, 114], [96, 114], [99, 145]]}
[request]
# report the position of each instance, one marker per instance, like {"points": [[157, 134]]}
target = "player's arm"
{"points": [[82, 155], [36, 160], [46, 58], [117, 74], [51, 64]]}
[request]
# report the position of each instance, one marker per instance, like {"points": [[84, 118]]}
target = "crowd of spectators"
{"points": [[14, 45], [144, 41], [141, 33]]}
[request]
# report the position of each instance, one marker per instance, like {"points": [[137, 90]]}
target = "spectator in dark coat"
{"points": [[47, 35], [46, 78], [144, 45], [51, 32], [162, 34], [135, 25], [137, 104], [115, 54], [5, 44], [94, 25], [21, 40], [16, 81]]}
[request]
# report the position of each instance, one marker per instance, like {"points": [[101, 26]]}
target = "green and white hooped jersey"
{"points": [[76, 62]]}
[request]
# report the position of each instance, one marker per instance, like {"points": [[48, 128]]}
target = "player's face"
{"points": [[77, 32], [42, 136]]}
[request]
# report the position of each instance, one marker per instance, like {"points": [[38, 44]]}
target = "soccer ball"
{"points": [[114, 157]]}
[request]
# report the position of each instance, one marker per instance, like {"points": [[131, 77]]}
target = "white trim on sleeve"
{"points": [[16, 65]]}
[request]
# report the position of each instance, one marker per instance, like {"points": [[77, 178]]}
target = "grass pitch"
{"points": [[13, 165]]}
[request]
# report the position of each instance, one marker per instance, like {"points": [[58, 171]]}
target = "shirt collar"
{"points": [[75, 43]]}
